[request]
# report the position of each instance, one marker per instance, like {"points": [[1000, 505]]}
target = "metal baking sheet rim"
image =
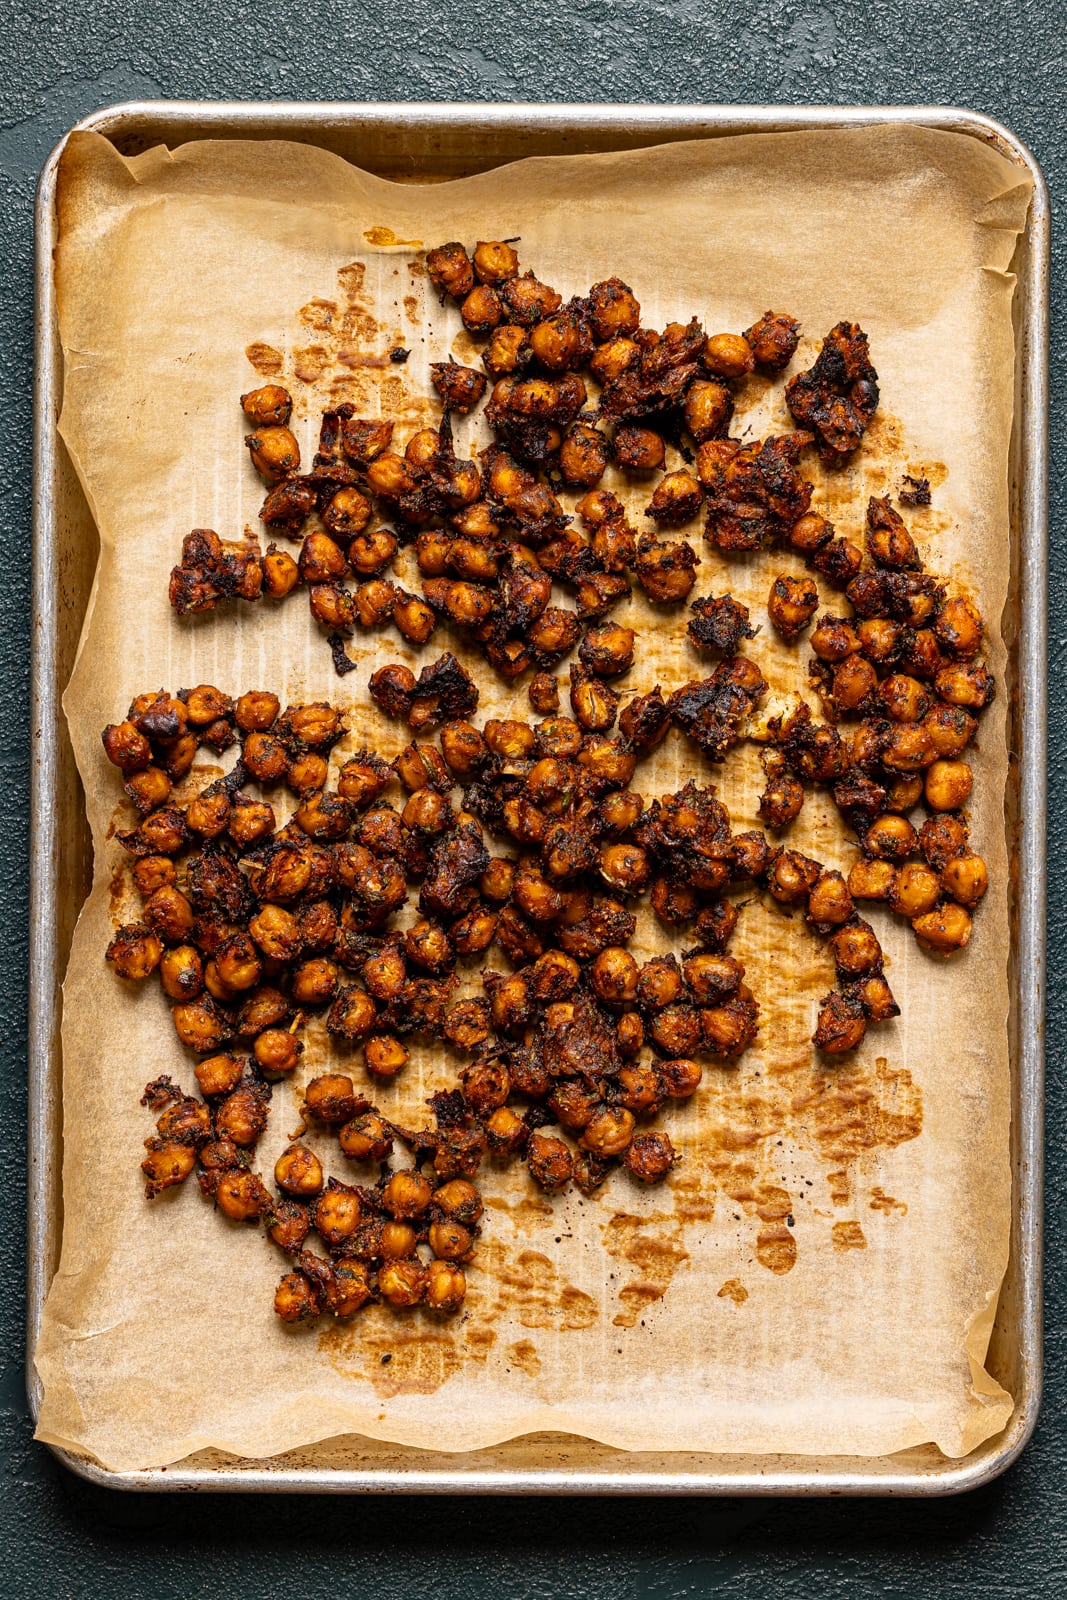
{"points": [[604, 126]]}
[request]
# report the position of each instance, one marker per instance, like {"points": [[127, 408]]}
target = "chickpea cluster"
{"points": [[529, 839], [903, 683], [402, 1241]]}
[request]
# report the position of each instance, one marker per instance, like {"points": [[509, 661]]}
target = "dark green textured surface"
{"points": [[58, 1536]]}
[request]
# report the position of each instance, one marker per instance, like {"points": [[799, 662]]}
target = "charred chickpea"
{"points": [[966, 683], [649, 1157], [330, 1097], [595, 706], [421, 765], [792, 876], [948, 785], [903, 699], [833, 638], [450, 270], [959, 627], [367, 1138], [773, 340], [149, 789], [614, 311], [543, 693], [908, 747], [791, 604], [854, 681], [782, 800], [372, 603], [608, 650], [307, 773], [608, 1132], [712, 978], [126, 747], [277, 1051], [507, 351], [298, 1171], [505, 1131], [916, 890], [267, 407], [201, 1025], [856, 950], [965, 878], [583, 455], [841, 1025], [811, 533], [274, 452], [135, 951], [677, 498], [550, 1161], [944, 931], [238, 963], [297, 1299]]}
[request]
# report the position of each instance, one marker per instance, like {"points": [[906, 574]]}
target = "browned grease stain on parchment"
{"points": [[848, 1236], [733, 1289], [382, 238], [523, 1354], [526, 1286], [267, 361], [655, 1251], [841, 493], [880, 1201]]}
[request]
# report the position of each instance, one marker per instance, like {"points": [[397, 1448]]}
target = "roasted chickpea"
{"points": [[181, 972], [959, 627], [450, 270], [871, 879], [481, 310], [773, 340], [241, 1196], [331, 1098], [367, 1138], [406, 1195], [446, 1286], [856, 950], [498, 880], [135, 951], [941, 839], [277, 1051], [611, 360], [274, 452], [348, 1289], [681, 1078], [613, 310], [384, 1056], [298, 1171], [781, 801], [915, 891], [792, 604], [460, 1200], [550, 1161], [708, 408], [267, 407], [495, 262], [337, 1213], [944, 931], [965, 878], [505, 1131], [650, 1157], [833, 639], [841, 1026], [614, 976], [948, 785], [891, 838], [950, 729], [854, 681], [609, 1132], [638, 449], [413, 617]]}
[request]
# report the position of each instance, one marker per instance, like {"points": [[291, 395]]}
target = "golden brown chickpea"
{"points": [[792, 876], [611, 360], [948, 785], [856, 950], [168, 1163], [625, 868], [276, 932], [446, 1286], [428, 947], [841, 1025], [614, 311], [241, 1196], [550, 1161], [352, 1015], [277, 1051], [397, 1241], [781, 801], [368, 553], [609, 1132], [773, 340], [274, 452], [614, 976], [331, 1098], [915, 891], [959, 627], [201, 1025], [659, 983], [135, 951], [712, 978], [237, 962], [584, 453], [728, 355], [665, 569], [677, 499], [557, 342], [681, 1078], [450, 270], [879, 639], [509, 739], [505, 1131], [384, 1056], [181, 972], [337, 1213], [364, 439], [641, 1089], [451, 1241], [507, 352], [498, 880], [595, 706], [481, 310], [944, 931], [407, 1195], [966, 683], [298, 1171], [891, 838], [854, 681], [150, 789], [903, 699], [708, 408], [509, 1002], [638, 449], [367, 1138], [833, 639], [950, 728], [460, 1201], [280, 574], [268, 407], [287, 1224], [907, 747], [871, 879], [168, 913], [297, 1299], [257, 711], [965, 878], [413, 617], [495, 262], [315, 981], [219, 1074], [904, 792], [349, 1288], [153, 872]]}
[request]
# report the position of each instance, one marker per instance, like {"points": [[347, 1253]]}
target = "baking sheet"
{"points": [[948, 330]]}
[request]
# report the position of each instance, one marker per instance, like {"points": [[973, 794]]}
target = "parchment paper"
{"points": [[822, 1271]]}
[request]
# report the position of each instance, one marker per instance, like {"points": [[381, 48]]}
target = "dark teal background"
{"points": [[59, 60]]}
